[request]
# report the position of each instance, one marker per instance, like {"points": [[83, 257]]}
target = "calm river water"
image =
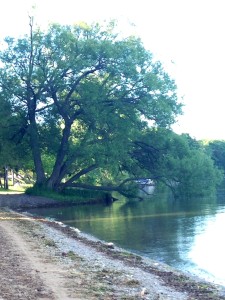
{"points": [[186, 235]]}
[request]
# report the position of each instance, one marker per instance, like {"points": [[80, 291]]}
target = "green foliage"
{"points": [[178, 161], [216, 150], [14, 149]]}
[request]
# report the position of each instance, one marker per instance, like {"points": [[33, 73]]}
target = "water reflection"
{"points": [[187, 235], [209, 247]]}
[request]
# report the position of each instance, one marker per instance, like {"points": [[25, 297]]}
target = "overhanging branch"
{"points": [[120, 190], [79, 174]]}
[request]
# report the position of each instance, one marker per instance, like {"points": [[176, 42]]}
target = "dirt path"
{"points": [[26, 271], [19, 279], [47, 260]]}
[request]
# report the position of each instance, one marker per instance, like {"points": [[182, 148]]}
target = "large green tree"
{"points": [[83, 94]]}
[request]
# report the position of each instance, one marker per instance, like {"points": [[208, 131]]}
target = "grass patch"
{"points": [[76, 196], [132, 283], [49, 243], [74, 256]]}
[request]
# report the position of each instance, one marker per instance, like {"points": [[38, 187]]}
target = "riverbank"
{"points": [[22, 201], [48, 260]]}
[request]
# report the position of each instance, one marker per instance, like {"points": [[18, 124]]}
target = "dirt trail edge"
{"points": [[43, 259]]}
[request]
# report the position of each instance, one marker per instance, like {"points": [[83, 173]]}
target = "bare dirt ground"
{"points": [[46, 260]]}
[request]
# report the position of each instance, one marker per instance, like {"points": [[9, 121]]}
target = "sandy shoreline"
{"points": [[66, 265]]}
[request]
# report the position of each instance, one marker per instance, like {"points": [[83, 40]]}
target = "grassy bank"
{"points": [[75, 196]]}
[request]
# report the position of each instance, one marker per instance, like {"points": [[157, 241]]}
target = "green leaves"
{"points": [[178, 161], [216, 150]]}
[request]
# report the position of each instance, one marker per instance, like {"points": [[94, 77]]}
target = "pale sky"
{"points": [[187, 36]]}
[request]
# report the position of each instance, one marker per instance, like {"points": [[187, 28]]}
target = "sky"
{"points": [[187, 36]]}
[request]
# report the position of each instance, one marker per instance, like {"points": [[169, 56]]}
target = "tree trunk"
{"points": [[34, 142], [32, 105], [53, 181], [6, 179], [13, 178]]}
